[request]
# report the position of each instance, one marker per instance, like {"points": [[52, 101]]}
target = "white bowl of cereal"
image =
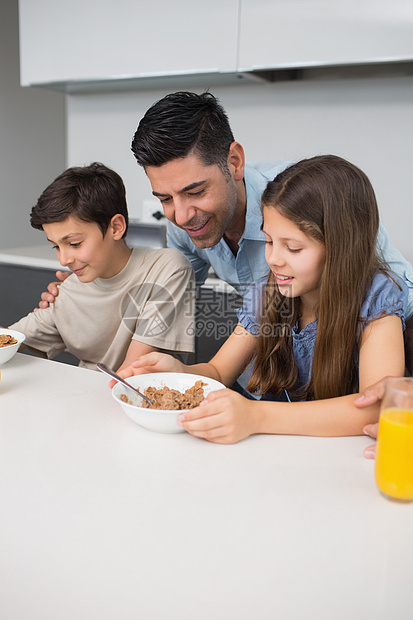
{"points": [[166, 389], [10, 341]]}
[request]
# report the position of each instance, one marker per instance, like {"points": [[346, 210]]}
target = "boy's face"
{"points": [[81, 247]]}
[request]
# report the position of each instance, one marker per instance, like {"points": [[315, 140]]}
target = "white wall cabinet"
{"points": [[308, 33], [80, 45], [84, 41]]}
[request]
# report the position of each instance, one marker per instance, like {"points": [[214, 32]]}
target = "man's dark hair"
{"points": [[91, 193], [180, 124]]}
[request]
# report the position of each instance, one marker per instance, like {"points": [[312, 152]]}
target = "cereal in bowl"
{"points": [[6, 340], [169, 399]]}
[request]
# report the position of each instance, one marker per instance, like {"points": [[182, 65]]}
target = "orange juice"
{"points": [[394, 456]]}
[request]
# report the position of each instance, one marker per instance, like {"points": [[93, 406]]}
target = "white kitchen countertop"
{"points": [[102, 519], [40, 256]]}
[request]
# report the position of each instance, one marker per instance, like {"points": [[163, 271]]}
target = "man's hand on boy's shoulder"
{"points": [[48, 297]]}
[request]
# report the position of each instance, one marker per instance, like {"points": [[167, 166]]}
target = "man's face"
{"points": [[197, 198]]}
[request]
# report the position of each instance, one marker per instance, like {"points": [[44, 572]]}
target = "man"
{"points": [[211, 197]]}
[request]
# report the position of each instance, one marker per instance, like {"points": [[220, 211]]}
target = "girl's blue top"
{"points": [[384, 297]]}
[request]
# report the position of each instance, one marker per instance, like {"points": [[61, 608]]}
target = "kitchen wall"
{"points": [[32, 138], [360, 115]]}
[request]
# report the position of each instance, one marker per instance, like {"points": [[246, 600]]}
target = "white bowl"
{"points": [[162, 421], [6, 353]]}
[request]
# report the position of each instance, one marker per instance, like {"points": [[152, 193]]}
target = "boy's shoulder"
{"points": [[170, 257]]}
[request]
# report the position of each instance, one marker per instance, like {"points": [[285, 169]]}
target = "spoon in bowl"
{"points": [[102, 367]]}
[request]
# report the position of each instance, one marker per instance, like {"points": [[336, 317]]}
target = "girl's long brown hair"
{"points": [[330, 199]]}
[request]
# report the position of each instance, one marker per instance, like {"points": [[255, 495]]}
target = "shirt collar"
{"points": [[254, 186]]}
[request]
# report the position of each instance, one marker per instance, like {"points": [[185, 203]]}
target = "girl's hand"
{"points": [[223, 417], [151, 362]]}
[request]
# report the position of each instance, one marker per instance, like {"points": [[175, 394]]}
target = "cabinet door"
{"points": [[21, 288], [305, 33], [215, 320], [82, 40]]}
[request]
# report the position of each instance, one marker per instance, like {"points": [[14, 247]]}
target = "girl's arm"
{"points": [[381, 351], [226, 366], [227, 417], [136, 349], [231, 359]]}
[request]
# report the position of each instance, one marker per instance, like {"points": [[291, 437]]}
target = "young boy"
{"points": [[118, 303]]}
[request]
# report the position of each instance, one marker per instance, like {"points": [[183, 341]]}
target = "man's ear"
{"points": [[236, 161], [118, 226]]}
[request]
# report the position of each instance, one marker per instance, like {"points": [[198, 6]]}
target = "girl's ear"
{"points": [[117, 226], [236, 161]]}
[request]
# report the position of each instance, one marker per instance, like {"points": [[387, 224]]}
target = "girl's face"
{"points": [[296, 260]]}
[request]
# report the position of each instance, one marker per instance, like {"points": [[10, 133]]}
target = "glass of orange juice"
{"points": [[394, 452]]}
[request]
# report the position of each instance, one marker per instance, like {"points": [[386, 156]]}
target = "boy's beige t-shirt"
{"points": [[151, 300]]}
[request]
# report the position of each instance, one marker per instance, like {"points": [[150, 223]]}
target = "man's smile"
{"points": [[197, 231]]}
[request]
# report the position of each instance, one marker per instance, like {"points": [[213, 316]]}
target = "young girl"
{"points": [[326, 323]]}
